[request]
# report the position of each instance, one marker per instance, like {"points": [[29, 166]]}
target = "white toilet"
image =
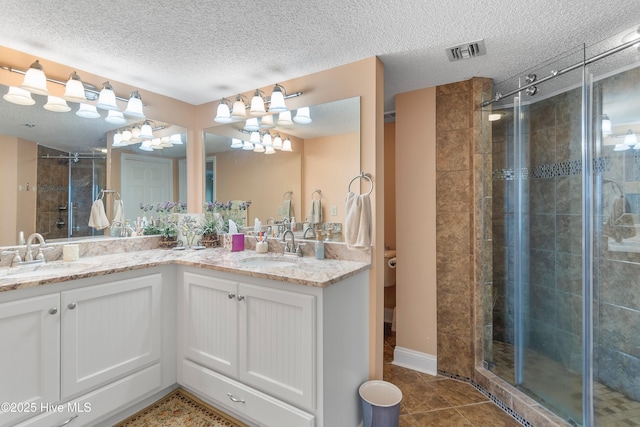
{"points": [[389, 286]]}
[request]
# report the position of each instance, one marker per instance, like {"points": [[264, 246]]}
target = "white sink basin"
{"points": [[268, 262], [37, 270]]}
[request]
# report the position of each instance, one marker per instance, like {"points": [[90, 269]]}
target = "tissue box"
{"points": [[234, 242]]}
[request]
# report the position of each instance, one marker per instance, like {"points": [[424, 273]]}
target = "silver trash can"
{"points": [[380, 403]]}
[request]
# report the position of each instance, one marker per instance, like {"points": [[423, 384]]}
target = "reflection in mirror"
{"points": [[324, 156], [53, 166]]}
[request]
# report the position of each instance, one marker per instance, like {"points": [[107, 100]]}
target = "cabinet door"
{"points": [[209, 322], [109, 331], [277, 343], [29, 355]]}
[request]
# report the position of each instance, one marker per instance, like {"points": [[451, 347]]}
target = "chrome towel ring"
{"points": [[362, 175], [319, 194]]}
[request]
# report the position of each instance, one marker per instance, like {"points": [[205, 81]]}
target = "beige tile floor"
{"points": [[441, 401]]}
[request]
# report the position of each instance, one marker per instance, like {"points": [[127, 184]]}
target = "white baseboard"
{"points": [[411, 359]]}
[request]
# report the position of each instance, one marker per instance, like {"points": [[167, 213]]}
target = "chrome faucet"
{"points": [[28, 257], [288, 248], [304, 235]]}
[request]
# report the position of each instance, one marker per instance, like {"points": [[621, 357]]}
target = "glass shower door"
{"points": [[86, 177]]}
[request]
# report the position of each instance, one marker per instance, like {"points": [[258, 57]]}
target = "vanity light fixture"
{"points": [[146, 145], [277, 142], [252, 125], [115, 117], [266, 122], [284, 118], [247, 146], [269, 150], [87, 111], [35, 80], [236, 143], [255, 137], [146, 132], [176, 139], [286, 145], [18, 96], [74, 90], [223, 114], [266, 140], [134, 105], [239, 110], [257, 103], [165, 142], [156, 144], [630, 139], [56, 104], [107, 98], [276, 103], [303, 116], [258, 148], [126, 136]]}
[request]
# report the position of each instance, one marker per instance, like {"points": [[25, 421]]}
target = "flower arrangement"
{"points": [[218, 214], [164, 224]]}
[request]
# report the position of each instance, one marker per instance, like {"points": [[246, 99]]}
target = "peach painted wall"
{"points": [[18, 166], [328, 164], [416, 323], [390, 185], [270, 177]]}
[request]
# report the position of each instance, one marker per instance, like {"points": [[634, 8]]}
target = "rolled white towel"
{"points": [[315, 213], [118, 212], [357, 223]]}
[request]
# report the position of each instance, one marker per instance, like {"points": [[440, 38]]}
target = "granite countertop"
{"points": [[272, 265]]}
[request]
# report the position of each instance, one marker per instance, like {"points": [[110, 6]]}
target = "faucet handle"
{"points": [[16, 256]]}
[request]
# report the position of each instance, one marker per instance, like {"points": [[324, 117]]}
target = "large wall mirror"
{"points": [[324, 157], [54, 165]]}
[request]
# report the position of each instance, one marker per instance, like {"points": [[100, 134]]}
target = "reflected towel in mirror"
{"points": [[118, 209], [357, 225], [98, 218], [287, 209], [315, 213]]}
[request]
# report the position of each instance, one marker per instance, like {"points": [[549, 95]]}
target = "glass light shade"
{"points": [[115, 117], [606, 125], [236, 143], [630, 138], [18, 96], [56, 104], [134, 105], [266, 122], [74, 89], [251, 125], [117, 140], [146, 132], [126, 136], [284, 118], [258, 148], [135, 132], [165, 142], [254, 138], [257, 104], [87, 111], [636, 147], [223, 115], [176, 139], [277, 104], [621, 147], [156, 144], [34, 80], [247, 146], [107, 98], [266, 140], [269, 150], [303, 116], [146, 145], [239, 110], [286, 145], [277, 142]]}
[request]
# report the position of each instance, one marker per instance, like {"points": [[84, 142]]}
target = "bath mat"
{"points": [[180, 409]]}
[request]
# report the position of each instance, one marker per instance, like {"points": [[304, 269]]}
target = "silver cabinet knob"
{"points": [[72, 305], [231, 296], [240, 297], [53, 310]]}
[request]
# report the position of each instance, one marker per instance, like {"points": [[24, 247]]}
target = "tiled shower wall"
{"points": [[52, 194]]}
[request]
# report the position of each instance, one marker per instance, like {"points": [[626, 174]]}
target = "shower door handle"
{"points": [[70, 219]]}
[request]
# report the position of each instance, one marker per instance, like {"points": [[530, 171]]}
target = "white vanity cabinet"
{"points": [[264, 349], [85, 351]]}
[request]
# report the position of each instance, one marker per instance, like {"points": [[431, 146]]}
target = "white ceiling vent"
{"points": [[466, 50]]}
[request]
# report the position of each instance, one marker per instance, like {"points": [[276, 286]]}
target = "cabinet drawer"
{"points": [[114, 397], [249, 403]]}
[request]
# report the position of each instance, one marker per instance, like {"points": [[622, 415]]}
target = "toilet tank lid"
{"points": [[389, 253]]}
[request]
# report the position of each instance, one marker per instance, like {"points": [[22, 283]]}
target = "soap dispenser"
{"points": [[319, 247]]}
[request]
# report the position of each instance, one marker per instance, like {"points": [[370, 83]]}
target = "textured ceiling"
{"points": [[201, 50]]}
